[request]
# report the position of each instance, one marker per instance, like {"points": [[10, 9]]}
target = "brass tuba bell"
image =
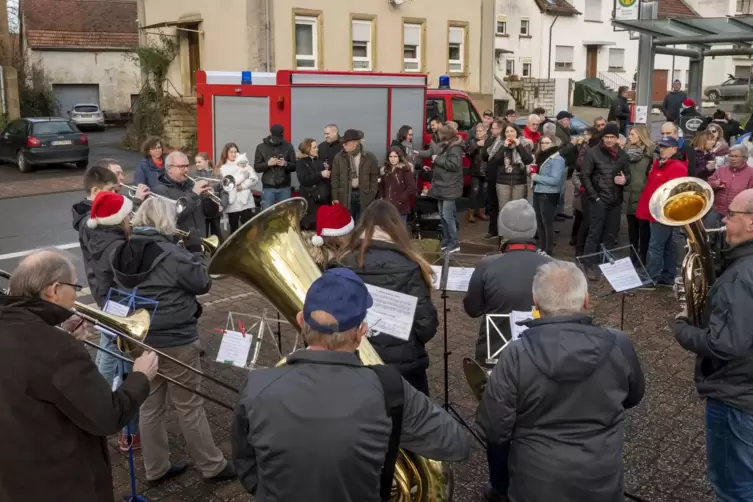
{"points": [[683, 202], [269, 254]]}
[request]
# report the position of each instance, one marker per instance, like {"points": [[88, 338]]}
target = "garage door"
{"points": [[68, 95]]}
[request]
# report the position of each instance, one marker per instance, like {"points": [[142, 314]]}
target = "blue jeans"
{"points": [[729, 452], [269, 196], [111, 367], [478, 193], [448, 215], [662, 254]]}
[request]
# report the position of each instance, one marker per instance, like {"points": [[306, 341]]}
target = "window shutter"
{"points": [[362, 31], [563, 54], [616, 58], [456, 35], [412, 34]]}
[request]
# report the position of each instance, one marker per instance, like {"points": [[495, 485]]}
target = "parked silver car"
{"points": [[87, 115], [732, 88]]}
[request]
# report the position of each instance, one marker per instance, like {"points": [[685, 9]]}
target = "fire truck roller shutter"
{"points": [[363, 108], [408, 109], [241, 120]]}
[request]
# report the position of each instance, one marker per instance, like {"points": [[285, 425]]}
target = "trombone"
{"points": [[130, 332]]}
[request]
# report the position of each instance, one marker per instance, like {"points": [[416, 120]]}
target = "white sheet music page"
{"points": [[621, 274], [115, 308], [457, 278], [234, 348], [392, 312], [517, 316]]}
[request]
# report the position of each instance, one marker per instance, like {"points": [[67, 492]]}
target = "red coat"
{"points": [[533, 136], [657, 176]]}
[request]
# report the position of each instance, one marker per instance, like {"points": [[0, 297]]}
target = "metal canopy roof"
{"points": [[694, 30]]}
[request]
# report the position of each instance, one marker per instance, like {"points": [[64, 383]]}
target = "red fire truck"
{"points": [[241, 106]]}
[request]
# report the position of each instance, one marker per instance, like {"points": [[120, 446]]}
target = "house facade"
{"points": [[84, 50], [395, 36]]}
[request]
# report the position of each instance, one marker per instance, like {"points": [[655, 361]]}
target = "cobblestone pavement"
{"points": [[664, 453]]}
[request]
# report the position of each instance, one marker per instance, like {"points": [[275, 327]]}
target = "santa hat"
{"points": [[688, 103], [109, 208], [332, 221]]}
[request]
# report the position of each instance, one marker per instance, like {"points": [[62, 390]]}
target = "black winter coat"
{"points": [[277, 176], [598, 171], [103, 240], [193, 215], [496, 164], [475, 153], [558, 397], [57, 410], [327, 151], [316, 189], [387, 267], [447, 183], [619, 111]]}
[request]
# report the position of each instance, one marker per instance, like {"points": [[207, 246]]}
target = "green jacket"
{"points": [[638, 174]]}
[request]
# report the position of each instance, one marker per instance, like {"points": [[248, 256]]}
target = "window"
{"points": [[464, 114], [677, 75], [616, 59], [525, 27], [744, 7], [510, 67], [306, 42], [434, 108], [361, 46], [501, 25], [194, 54], [563, 57], [743, 71], [52, 127], [412, 47], [592, 10], [526, 69], [456, 51]]}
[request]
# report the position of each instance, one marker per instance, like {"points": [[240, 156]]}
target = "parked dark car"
{"points": [[31, 142]]}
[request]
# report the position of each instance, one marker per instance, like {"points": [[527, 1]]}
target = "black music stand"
{"points": [[447, 353]]}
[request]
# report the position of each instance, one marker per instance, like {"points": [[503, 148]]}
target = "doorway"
{"points": [[592, 59], [660, 84]]}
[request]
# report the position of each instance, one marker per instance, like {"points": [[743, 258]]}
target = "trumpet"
{"points": [[210, 244], [180, 204], [227, 182], [209, 194]]}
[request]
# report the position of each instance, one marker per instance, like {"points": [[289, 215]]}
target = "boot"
{"points": [[471, 218], [482, 215]]}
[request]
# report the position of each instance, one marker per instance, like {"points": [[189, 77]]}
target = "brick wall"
{"points": [[180, 124], [531, 93]]}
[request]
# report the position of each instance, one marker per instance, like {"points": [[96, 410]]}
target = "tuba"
{"points": [[268, 253], [683, 202]]}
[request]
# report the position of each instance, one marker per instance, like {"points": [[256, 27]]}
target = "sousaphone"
{"points": [[269, 254]]}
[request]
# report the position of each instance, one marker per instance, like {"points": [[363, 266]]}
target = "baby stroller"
{"points": [[426, 223]]}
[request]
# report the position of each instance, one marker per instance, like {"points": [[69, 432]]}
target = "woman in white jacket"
{"points": [[241, 206]]}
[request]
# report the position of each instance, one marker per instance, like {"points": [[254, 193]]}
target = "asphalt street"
{"points": [[101, 145]]}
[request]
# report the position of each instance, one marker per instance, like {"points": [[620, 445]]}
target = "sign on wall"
{"points": [[626, 10]]}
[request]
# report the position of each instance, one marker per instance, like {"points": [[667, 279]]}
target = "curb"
{"points": [[36, 194]]}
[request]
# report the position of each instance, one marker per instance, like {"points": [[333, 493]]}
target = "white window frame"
{"points": [[526, 69], [527, 23], [590, 10], [459, 64], [312, 21], [417, 60], [509, 67], [609, 61], [564, 65], [369, 59], [503, 20]]}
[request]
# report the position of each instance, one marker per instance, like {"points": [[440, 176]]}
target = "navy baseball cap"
{"points": [[669, 141], [343, 295]]}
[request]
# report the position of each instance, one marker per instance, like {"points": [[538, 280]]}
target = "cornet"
{"points": [[180, 204], [209, 194]]}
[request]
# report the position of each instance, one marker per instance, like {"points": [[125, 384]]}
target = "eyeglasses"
{"points": [[180, 166], [77, 287], [729, 213]]}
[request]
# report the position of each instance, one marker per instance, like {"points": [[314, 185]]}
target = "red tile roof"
{"points": [[80, 23], [675, 9]]}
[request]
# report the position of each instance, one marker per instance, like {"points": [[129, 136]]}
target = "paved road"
{"points": [[102, 144]]}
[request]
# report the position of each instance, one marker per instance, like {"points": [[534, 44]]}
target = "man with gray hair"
{"points": [[174, 184], [555, 402], [57, 409], [502, 283]]}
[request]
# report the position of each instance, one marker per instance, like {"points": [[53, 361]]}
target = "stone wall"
{"points": [[531, 93], [180, 125]]}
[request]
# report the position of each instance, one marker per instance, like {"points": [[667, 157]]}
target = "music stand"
{"points": [[612, 256], [447, 352], [263, 326]]}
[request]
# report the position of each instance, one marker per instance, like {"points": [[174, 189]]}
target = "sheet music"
{"points": [[118, 309], [392, 312], [235, 348], [517, 316], [457, 278], [621, 274]]}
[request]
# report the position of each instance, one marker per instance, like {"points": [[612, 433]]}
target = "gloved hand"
{"points": [[193, 241]]}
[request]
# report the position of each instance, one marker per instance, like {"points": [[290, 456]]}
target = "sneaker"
{"points": [[452, 249]]}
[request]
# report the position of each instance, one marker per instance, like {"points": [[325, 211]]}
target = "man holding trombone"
{"points": [[57, 409]]}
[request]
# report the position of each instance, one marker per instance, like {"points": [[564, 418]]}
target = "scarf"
{"points": [[513, 159], [495, 146], [544, 155], [612, 152], [354, 158], [635, 152]]}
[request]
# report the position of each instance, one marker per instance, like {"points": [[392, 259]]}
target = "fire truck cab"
{"points": [[241, 106]]}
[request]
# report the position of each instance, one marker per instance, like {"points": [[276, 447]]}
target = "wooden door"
{"points": [[659, 83], [592, 57]]}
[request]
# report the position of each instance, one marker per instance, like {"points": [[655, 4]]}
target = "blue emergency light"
{"points": [[245, 77], [444, 82]]}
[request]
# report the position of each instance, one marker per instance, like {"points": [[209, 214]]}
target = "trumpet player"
{"points": [[175, 184], [724, 359], [159, 270], [57, 411]]}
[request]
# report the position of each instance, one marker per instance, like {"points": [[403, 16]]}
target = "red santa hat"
{"points": [[332, 221], [688, 103], [109, 208]]}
